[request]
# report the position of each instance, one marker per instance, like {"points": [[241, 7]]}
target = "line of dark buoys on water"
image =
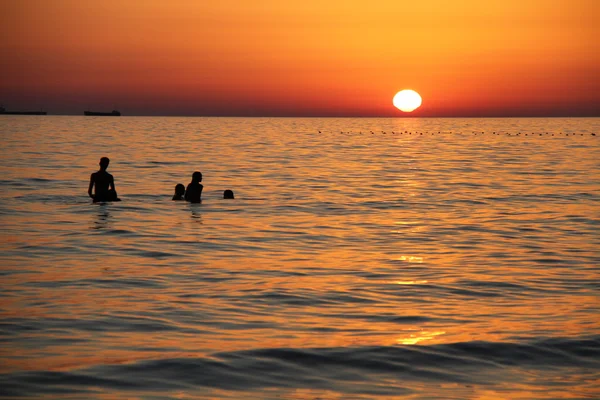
{"points": [[497, 133]]}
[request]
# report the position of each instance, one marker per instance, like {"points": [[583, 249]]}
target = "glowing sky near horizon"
{"points": [[301, 57]]}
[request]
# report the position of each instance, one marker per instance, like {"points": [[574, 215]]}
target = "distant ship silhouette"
{"points": [[3, 111], [113, 113]]}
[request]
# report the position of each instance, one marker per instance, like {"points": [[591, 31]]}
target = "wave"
{"points": [[359, 370]]}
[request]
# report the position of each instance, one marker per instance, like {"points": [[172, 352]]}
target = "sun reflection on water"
{"points": [[410, 259], [420, 336]]}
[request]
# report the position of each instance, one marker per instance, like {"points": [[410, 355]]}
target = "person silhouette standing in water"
{"points": [[103, 183], [179, 192], [193, 192]]}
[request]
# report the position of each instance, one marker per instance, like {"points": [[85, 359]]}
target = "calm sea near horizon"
{"points": [[432, 258]]}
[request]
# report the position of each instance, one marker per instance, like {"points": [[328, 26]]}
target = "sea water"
{"points": [[360, 259]]}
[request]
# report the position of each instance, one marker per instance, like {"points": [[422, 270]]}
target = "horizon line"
{"points": [[319, 116]]}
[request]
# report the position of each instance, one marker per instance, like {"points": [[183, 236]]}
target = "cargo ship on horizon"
{"points": [[113, 113], [5, 112]]}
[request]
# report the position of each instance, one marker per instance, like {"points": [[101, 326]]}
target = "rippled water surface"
{"points": [[361, 259]]}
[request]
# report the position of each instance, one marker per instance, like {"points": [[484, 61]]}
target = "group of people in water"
{"points": [[102, 187]]}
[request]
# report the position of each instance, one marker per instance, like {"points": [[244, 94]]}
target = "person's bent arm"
{"points": [[91, 186], [111, 184]]}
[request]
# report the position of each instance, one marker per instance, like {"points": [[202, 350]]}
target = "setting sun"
{"points": [[407, 100]]}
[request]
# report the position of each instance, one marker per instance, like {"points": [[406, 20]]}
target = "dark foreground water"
{"points": [[431, 258]]}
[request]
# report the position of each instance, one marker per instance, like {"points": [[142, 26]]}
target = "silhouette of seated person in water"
{"points": [[103, 184], [179, 192], [193, 192], [228, 194]]}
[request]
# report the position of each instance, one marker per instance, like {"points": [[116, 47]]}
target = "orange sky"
{"points": [[301, 57]]}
